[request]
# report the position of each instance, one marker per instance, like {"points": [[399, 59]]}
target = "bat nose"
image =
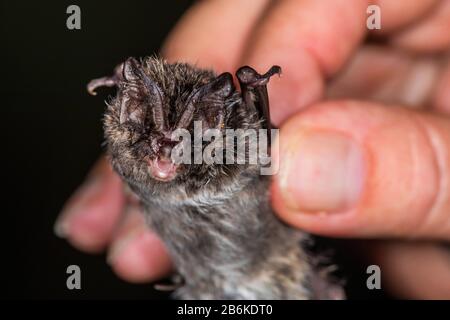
{"points": [[166, 151]]}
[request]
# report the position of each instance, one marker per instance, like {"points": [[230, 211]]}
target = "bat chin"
{"points": [[162, 169]]}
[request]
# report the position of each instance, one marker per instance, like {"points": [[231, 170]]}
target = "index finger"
{"points": [[311, 40], [212, 33]]}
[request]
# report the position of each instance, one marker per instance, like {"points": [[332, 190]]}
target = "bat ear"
{"points": [[223, 85], [211, 96], [142, 93], [218, 90], [130, 71]]}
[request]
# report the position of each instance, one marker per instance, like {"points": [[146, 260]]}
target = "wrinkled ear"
{"points": [[211, 97], [214, 108], [130, 71], [138, 94], [131, 108], [254, 92]]}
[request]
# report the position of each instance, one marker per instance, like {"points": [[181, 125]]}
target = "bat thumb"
{"points": [[357, 169]]}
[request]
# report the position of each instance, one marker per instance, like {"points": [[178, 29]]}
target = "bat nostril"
{"points": [[165, 152]]}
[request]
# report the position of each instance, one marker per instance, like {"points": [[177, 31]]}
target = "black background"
{"points": [[51, 134]]}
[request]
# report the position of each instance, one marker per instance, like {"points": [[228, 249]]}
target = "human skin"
{"points": [[377, 167]]}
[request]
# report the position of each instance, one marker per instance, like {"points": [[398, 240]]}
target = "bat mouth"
{"points": [[162, 169]]}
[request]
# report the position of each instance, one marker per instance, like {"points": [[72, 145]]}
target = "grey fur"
{"points": [[215, 220]]}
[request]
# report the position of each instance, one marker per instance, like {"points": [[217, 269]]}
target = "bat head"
{"points": [[156, 98]]}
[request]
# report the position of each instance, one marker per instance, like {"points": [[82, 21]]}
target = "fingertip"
{"points": [[429, 35], [309, 51], [296, 88], [401, 13], [212, 34], [90, 230], [413, 269], [136, 254], [322, 173], [90, 216], [141, 259]]}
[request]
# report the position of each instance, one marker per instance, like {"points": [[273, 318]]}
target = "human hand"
{"points": [[396, 148]]}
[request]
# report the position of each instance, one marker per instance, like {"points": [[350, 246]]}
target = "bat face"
{"points": [[154, 100]]}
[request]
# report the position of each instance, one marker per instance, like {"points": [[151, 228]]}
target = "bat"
{"points": [[215, 219]]}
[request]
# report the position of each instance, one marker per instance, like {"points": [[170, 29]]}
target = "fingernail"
{"points": [[75, 206], [320, 171]]}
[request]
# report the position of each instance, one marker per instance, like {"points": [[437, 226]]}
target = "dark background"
{"points": [[52, 134], [52, 131]]}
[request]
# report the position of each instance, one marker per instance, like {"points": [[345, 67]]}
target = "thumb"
{"points": [[359, 169]]}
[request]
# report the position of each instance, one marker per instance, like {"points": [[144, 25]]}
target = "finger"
{"points": [[400, 13], [430, 35], [293, 35], [90, 216], [137, 254], [212, 33], [414, 270], [356, 169], [388, 76], [441, 96]]}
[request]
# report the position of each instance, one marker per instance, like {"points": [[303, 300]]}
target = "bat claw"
{"points": [[101, 82], [110, 81], [272, 71], [175, 282], [248, 76]]}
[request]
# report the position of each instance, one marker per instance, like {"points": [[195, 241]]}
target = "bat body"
{"points": [[215, 219]]}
